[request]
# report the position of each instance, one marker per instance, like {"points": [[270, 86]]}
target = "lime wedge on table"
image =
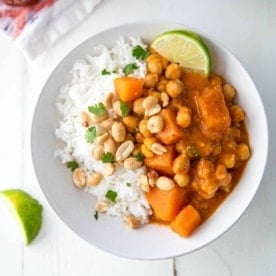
{"points": [[27, 210], [184, 47]]}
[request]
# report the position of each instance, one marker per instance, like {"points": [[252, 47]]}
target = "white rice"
{"points": [[87, 86]]}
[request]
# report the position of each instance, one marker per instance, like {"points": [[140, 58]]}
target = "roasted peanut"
{"points": [[107, 124], [101, 207], [153, 110], [149, 102], [131, 163], [165, 183], [144, 183], [98, 119], [110, 146], [117, 108], [98, 152], [109, 99], [94, 179], [158, 148], [85, 119], [108, 169], [164, 99], [102, 138], [118, 131], [132, 221], [152, 177], [155, 124], [78, 177], [124, 150]]}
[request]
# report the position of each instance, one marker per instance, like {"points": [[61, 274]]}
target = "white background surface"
{"points": [[247, 28]]}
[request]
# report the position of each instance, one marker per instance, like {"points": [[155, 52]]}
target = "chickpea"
{"points": [[138, 106], [149, 141], [183, 117], [237, 114], [228, 92], [151, 80], [155, 124], [161, 86], [139, 137], [243, 151], [228, 160], [181, 164], [118, 132], [173, 71], [181, 179], [145, 151], [153, 57], [155, 66], [174, 88], [143, 128], [164, 62], [131, 122]]}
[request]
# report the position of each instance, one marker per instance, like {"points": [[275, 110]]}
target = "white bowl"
{"points": [[74, 207]]}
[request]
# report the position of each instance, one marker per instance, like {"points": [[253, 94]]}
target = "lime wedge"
{"points": [[184, 47], [27, 210]]}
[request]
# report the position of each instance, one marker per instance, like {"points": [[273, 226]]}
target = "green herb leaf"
{"points": [[124, 109], [96, 215], [105, 72], [90, 135], [97, 109], [111, 195], [108, 157], [128, 184], [72, 165], [139, 52], [129, 68], [139, 157]]}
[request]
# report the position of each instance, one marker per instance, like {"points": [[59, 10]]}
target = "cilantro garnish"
{"points": [[90, 135], [129, 68], [138, 156], [111, 195], [105, 72], [96, 215], [72, 165], [139, 52], [108, 157], [124, 109], [97, 109], [128, 184]]}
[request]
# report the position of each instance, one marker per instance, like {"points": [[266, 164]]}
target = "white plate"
{"points": [[74, 207]]}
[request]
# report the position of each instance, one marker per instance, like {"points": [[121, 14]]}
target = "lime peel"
{"points": [[27, 210], [184, 47]]}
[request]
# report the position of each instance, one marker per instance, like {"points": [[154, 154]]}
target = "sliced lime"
{"points": [[27, 210], [184, 47]]}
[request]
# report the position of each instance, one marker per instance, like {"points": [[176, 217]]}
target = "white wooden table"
{"points": [[247, 28]]}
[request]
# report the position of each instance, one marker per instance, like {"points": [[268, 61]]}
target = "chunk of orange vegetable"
{"points": [[128, 88], [186, 221], [166, 204], [171, 132], [162, 163]]}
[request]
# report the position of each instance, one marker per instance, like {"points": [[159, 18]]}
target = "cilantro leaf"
{"points": [[97, 109], [108, 157], [72, 165], [105, 72], [96, 215], [124, 109], [139, 157], [129, 68], [111, 195], [139, 52], [128, 184], [90, 135]]}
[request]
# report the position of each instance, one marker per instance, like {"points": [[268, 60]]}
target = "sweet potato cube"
{"points": [[166, 204], [213, 111], [186, 221], [162, 163], [171, 132]]}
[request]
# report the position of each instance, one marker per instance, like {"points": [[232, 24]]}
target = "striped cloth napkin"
{"points": [[36, 27]]}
